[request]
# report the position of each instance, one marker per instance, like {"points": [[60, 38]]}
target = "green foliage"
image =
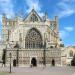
{"points": [[61, 45], [4, 73], [73, 61], [4, 56]]}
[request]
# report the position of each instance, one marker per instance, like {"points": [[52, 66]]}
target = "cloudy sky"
{"points": [[64, 9]]}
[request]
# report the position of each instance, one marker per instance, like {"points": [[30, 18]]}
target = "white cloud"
{"points": [[65, 32], [0, 19], [69, 29], [0, 26], [0, 36], [65, 13], [34, 4], [65, 8], [69, 0], [6, 7]]}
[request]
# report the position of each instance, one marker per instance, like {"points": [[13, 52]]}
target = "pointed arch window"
{"points": [[20, 37], [33, 39], [52, 26], [71, 53], [34, 18]]}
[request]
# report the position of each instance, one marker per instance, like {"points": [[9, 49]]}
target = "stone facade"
{"points": [[34, 35], [67, 55]]}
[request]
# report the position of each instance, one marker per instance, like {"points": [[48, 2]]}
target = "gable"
{"points": [[33, 17]]}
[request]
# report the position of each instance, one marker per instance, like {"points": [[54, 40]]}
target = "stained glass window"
{"points": [[33, 39]]}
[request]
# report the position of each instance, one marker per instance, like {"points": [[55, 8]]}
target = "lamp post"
{"points": [[10, 63], [17, 57], [44, 54]]}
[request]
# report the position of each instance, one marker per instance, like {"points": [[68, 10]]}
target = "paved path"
{"points": [[40, 71]]}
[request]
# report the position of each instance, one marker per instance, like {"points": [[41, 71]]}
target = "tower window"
{"points": [[71, 53], [34, 18]]}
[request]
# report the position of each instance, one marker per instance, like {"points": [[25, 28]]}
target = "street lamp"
{"points": [[44, 54], [10, 62]]}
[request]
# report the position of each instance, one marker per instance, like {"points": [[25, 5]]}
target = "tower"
{"points": [[5, 28]]}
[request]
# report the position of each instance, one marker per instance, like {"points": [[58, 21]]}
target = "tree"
{"points": [[4, 57], [73, 61], [61, 45]]}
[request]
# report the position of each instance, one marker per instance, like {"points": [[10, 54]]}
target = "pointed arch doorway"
{"points": [[34, 62], [53, 62]]}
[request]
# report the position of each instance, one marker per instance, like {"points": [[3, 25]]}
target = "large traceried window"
{"points": [[33, 39]]}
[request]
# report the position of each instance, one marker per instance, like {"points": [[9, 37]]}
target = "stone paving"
{"points": [[40, 70]]}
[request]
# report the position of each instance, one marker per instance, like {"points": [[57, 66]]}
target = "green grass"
{"points": [[4, 73]]}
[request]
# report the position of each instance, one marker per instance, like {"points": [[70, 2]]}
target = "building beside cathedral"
{"points": [[32, 38], [67, 55]]}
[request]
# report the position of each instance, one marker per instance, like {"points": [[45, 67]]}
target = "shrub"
{"points": [[73, 61]]}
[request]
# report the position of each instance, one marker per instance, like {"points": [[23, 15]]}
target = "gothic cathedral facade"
{"points": [[31, 38]]}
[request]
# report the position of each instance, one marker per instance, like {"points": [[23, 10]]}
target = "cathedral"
{"points": [[31, 40]]}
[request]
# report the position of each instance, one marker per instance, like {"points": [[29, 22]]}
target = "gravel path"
{"points": [[40, 71]]}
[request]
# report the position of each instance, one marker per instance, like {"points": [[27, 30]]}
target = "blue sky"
{"points": [[64, 9]]}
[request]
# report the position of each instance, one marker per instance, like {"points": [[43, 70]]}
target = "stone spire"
{"points": [[3, 19], [46, 15], [57, 25]]}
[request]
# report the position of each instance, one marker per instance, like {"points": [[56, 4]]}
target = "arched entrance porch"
{"points": [[34, 62]]}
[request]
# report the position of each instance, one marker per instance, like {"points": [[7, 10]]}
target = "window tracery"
{"points": [[34, 18], [33, 39]]}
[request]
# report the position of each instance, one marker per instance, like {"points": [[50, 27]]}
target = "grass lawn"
{"points": [[4, 73]]}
